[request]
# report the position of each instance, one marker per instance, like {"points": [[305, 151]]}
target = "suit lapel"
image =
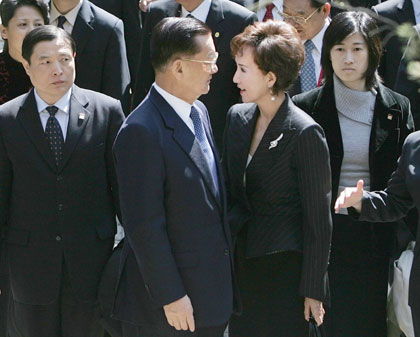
{"points": [[185, 139], [78, 119], [405, 12], [29, 118], [83, 30], [214, 18], [385, 112]]}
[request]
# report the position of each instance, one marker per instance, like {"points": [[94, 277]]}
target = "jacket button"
{"points": [[226, 252], [58, 238], [60, 207]]}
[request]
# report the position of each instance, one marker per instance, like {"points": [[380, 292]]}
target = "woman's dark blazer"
{"points": [[392, 122], [285, 204]]}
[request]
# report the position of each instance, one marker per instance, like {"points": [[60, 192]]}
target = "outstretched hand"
{"points": [[350, 197]]}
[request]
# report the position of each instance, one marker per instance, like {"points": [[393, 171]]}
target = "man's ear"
{"points": [[26, 66], [326, 9], [177, 68], [3, 32]]}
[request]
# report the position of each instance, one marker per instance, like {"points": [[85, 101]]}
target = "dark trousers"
{"points": [[166, 330], [269, 289], [66, 317], [358, 276], [415, 313], [4, 288]]}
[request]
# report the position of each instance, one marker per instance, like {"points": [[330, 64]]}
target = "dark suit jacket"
{"points": [[392, 122], [101, 59], [226, 19], [401, 194], [54, 212], [177, 235], [399, 11], [405, 85], [285, 204], [128, 11]]}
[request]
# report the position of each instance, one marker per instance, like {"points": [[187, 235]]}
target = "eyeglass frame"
{"points": [[299, 19], [205, 63]]}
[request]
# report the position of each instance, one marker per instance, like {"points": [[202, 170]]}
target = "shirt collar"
{"points": [[317, 39], [70, 16], [278, 4], [182, 108], [63, 104], [200, 13], [416, 7]]}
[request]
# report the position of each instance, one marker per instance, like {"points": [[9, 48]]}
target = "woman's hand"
{"points": [[314, 308], [350, 197]]}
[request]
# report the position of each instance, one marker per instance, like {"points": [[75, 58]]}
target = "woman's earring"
{"points": [[273, 97]]}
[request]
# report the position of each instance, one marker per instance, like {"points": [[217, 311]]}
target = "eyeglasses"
{"points": [[208, 65], [299, 19]]}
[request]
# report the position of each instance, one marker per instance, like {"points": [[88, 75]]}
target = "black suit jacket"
{"points": [[226, 19], [177, 235], [405, 85], [399, 11], [128, 11], [392, 122], [285, 203], [101, 59], [402, 193], [51, 212]]}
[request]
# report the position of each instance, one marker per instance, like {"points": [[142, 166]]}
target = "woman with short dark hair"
{"points": [[278, 181], [365, 125], [18, 18]]}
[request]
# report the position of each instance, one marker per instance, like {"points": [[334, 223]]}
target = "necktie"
{"points": [[54, 134], [204, 144], [61, 20], [269, 13], [307, 76]]}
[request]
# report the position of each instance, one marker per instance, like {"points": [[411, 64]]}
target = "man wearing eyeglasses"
{"points": [[226, 19], [176, 264], [311, 19]]}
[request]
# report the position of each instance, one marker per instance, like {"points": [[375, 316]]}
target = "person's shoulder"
{"points": [[413, 140], [11, 108], [231, 8], [387, 7], [392, 95], [241, 109], [102, 17], [306, 100], [162, 6], [96, 102]]}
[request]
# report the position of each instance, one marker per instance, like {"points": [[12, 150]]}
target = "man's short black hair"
{"points": [[319, 3], [44, 33], [175, 37]]}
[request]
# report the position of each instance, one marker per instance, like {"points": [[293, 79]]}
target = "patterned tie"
{"points": [[61, 20], [54, 134], [269, 13], [204, 144], [307, 76]]}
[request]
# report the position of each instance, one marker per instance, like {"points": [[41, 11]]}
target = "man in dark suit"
{"points": [[58, 193], [101, 63], [399, 12], [176, 264], [128, 11], [226, 19]]}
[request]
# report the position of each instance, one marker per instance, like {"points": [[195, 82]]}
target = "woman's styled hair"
{"points": [[276, 47], [343, 25]]}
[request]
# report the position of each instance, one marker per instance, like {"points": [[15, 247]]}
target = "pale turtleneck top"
{"points": [[355, 115]]}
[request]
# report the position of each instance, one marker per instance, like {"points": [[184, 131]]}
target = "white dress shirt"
{"points": [[70, 16], [200, 13], [416, 8], [316, 52], [62, 115]]}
